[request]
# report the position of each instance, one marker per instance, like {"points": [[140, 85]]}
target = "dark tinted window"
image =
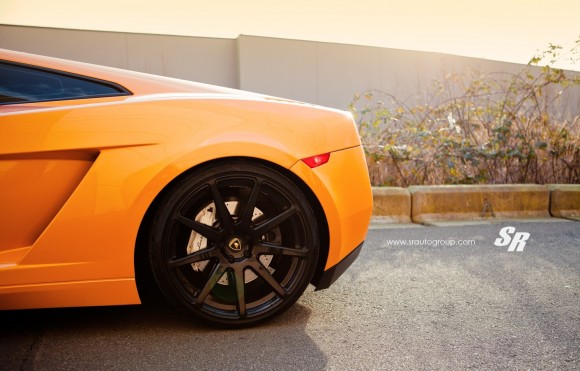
{"points": [[24, 84]]}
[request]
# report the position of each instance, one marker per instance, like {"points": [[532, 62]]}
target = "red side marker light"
{"points": [[317, 160]]}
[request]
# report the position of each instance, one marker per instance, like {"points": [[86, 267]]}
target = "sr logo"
{"points": [[517, 242]]}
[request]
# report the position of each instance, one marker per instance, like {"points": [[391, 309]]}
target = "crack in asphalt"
{"points": [[33, 348]]}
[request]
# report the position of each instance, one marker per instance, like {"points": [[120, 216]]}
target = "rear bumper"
{"points": [[330, 275], [343, 189]]}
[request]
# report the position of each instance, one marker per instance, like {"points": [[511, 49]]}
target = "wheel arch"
{"points": [[146, 284]]}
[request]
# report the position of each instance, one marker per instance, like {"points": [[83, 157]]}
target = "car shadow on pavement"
{"points": [[151, 336]]}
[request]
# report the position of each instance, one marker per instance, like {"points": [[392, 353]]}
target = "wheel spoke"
{"points": [[270, 249], [260, 270], [240, 287], [221, 208], [216, 273], [264, 227], [248, 212], [205, 230], [198, 256]]}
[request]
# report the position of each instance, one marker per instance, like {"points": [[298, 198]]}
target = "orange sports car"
{"points": [[232, 203]]}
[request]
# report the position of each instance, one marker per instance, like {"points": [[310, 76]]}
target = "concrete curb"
{"points": [[426, 204], [565, 200], [437, 203], [392, 204]]}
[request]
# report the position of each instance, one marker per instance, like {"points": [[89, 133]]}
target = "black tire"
{"points": [[235, 244]]}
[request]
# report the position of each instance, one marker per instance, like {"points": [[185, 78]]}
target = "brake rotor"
{"points": [[198, 242]]}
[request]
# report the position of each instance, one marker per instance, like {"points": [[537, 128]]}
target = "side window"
{"points": [[25, 84]]}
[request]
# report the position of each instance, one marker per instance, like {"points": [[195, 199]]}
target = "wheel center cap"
{"points": [[235, 244]]}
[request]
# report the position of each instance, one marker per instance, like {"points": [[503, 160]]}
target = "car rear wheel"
{"points": [[235, 244]]}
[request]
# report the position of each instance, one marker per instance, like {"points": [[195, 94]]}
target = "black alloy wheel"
{"points": [[234, 243]]}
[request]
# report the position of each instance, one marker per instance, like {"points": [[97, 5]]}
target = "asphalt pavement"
{"points": [[437, 297]]}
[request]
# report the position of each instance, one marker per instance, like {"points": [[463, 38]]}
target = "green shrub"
{"points": [[475, 129]]}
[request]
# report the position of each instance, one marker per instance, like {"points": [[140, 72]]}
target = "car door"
{"points": [[39, 165]]}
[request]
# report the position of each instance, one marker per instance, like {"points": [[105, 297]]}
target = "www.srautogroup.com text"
{"points": [[428, 242]]}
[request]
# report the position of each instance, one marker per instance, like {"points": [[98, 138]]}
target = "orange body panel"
{"points": [[78, 176], [341, 188]]}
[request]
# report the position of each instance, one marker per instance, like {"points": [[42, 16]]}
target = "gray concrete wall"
{"points": [[315, 72], [330, 74], [207, 60]]}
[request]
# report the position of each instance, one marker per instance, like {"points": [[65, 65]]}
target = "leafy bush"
{"points": [[476, 129]]}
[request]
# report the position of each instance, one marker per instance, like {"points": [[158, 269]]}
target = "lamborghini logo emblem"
{"points": [[235, 244]]}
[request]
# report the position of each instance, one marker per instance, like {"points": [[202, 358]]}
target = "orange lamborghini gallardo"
{"points": [[230, 202]]}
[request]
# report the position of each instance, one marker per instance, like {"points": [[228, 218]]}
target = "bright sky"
{"points": [[508, 30]]}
